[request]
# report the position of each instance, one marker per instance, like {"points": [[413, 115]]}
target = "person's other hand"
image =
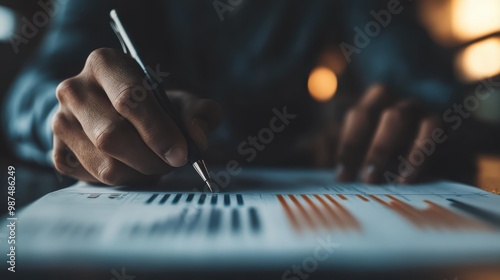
{"points": [[109, 128], [379, 135]]}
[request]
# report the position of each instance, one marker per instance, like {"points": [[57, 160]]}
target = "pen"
{"points": [[194, 154]]}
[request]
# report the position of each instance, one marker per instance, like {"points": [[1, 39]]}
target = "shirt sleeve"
{"points": [[78, 28], [384, 42]]}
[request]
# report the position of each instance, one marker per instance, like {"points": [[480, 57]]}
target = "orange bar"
{"points": [[303, 211], [464, 221], [412, 211], [434, 216], [289, 212], [362, 197], [316, 210], [352, 221], [441, 219], [447, 216], [336, 218], [342, 196], [396, 209], [374, 197]]}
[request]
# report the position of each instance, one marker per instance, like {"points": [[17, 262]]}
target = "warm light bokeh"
{"points": [[452, 22], [480, 60], [472, 18], [322, 84], [436, 17]]}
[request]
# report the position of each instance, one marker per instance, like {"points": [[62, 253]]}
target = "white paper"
{"points": [[337, 225]]}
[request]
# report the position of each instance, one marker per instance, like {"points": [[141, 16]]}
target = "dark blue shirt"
{"points": [[256, 52]]}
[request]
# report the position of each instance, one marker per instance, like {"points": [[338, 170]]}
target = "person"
{"points": [[82, 105]]}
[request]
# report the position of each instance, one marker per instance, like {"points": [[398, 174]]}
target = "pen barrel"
{"points": [[194, 153]]}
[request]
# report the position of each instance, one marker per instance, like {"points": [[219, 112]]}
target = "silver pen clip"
{"points": [[119, 36]]}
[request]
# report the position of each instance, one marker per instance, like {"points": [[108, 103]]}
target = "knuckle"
{"points": [[59, 159], [361, 112], [106, 138], [67, 90], [124, 102], [408, 104], [109, 174], [352, 112], [433, 121], [375, 96], [60, 123], [98, 57], [378, 91], [393, 113]]}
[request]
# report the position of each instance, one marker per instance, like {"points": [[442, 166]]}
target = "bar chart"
{"points": [[281, 223], [310, 211]]}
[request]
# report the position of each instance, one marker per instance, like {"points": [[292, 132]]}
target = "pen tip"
{"points": [[210, 185]]}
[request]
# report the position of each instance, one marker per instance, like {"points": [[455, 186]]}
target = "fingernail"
{"points": [[368, 172], [199, 135], [176, 156]]}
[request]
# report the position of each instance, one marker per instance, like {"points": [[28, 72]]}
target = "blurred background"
{"points": [[11, 62], [469, 33]]}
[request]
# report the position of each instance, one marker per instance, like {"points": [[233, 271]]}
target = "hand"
{"points": [[381, 135], [110, 129]]}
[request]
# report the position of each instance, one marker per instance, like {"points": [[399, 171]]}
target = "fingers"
{"points": [[418, 155], [371, 145], [110, 123], [201, 116], [132, 98], [110, 133], [99, 165], [376, 98], [67, 164], [355, 137], [391, 138], [357, 130]]}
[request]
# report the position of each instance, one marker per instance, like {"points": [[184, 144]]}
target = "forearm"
{"points": [[31, 101], [27, 113]]}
